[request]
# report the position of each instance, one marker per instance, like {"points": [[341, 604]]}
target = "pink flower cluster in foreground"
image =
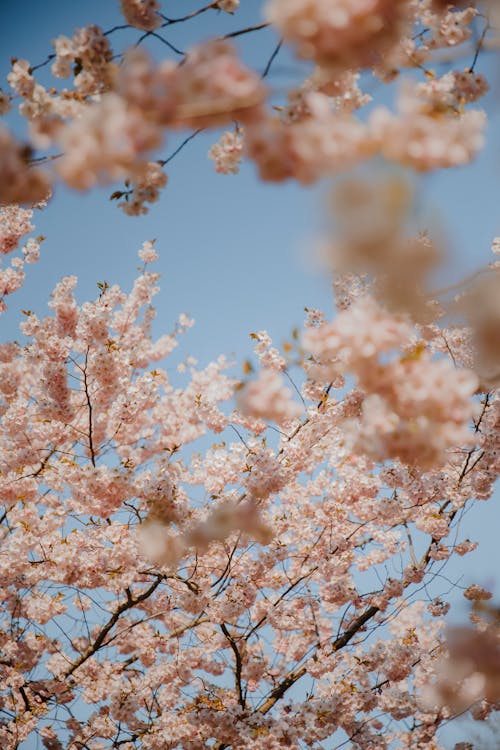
{"points": [[341, 33], [143, 14], [112, 122]]}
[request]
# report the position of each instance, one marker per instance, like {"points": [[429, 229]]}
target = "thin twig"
{"points": [[44, 159], [479, 47], [89, 404], [274, 54], [165, 41], [162, 162], [189, 16], [248, 30]]}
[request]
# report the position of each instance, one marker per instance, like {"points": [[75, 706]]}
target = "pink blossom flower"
{"points": [[317, 145], [109, 142], [267, 397], [146, 183], [424, 138], [227, 153], [19, 183], [345, 34], [147, 253], [229, 6], [143, 14], [476, 593]]}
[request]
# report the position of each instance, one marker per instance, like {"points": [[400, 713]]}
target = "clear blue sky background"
{"points": [[232, 250]]}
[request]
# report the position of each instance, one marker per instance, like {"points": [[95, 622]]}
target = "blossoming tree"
{"points": [[199, 561]]}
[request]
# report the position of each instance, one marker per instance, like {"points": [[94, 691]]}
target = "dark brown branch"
{"points": [[117, 28], [280, 599], [89, 404], [478, 48], [248, 30], [227, 568], [238, 667], [280, 690], [44, 159], [101, 637], [189, 16], [295, 675], [166, 42], [25, 698], [274, 54]]}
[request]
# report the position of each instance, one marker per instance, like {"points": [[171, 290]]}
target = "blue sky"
{"points": [[233, 251]]}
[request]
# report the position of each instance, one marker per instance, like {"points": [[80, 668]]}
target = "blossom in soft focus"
{"points": [[476, 593], [4, 102], [454, 89], [480, 303], [426, 136], [370, 236], [213, 87], [20, 78], [226, 519], [369, 219], [229, 6], [19, 182], [143, 14], [470, 671], [267, 397], [450, 27], [318, 144], [343, 34], [158, 544], [342, 90], [107, 143]]}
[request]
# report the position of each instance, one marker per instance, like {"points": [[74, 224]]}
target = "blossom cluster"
{"points": [[115, 116], [415, 408], [97, 483], [190, 558], [341, 34]]}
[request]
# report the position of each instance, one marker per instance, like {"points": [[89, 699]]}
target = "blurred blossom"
{"points": [[143, 14], [19, 182], [267, 397], [229, 6], [341, 34], [370, 236], [470, 672], [480, 303]]}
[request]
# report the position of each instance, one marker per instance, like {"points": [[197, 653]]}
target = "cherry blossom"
{"points": [[341, 34], [19, 183], [267, 398], [424, 137], [143, 14], [191, 557], [228, 152], [230, 6], [105, 144]]}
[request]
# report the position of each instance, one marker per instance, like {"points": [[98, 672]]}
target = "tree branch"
{"points": [[99, 641], [238, 668]]}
